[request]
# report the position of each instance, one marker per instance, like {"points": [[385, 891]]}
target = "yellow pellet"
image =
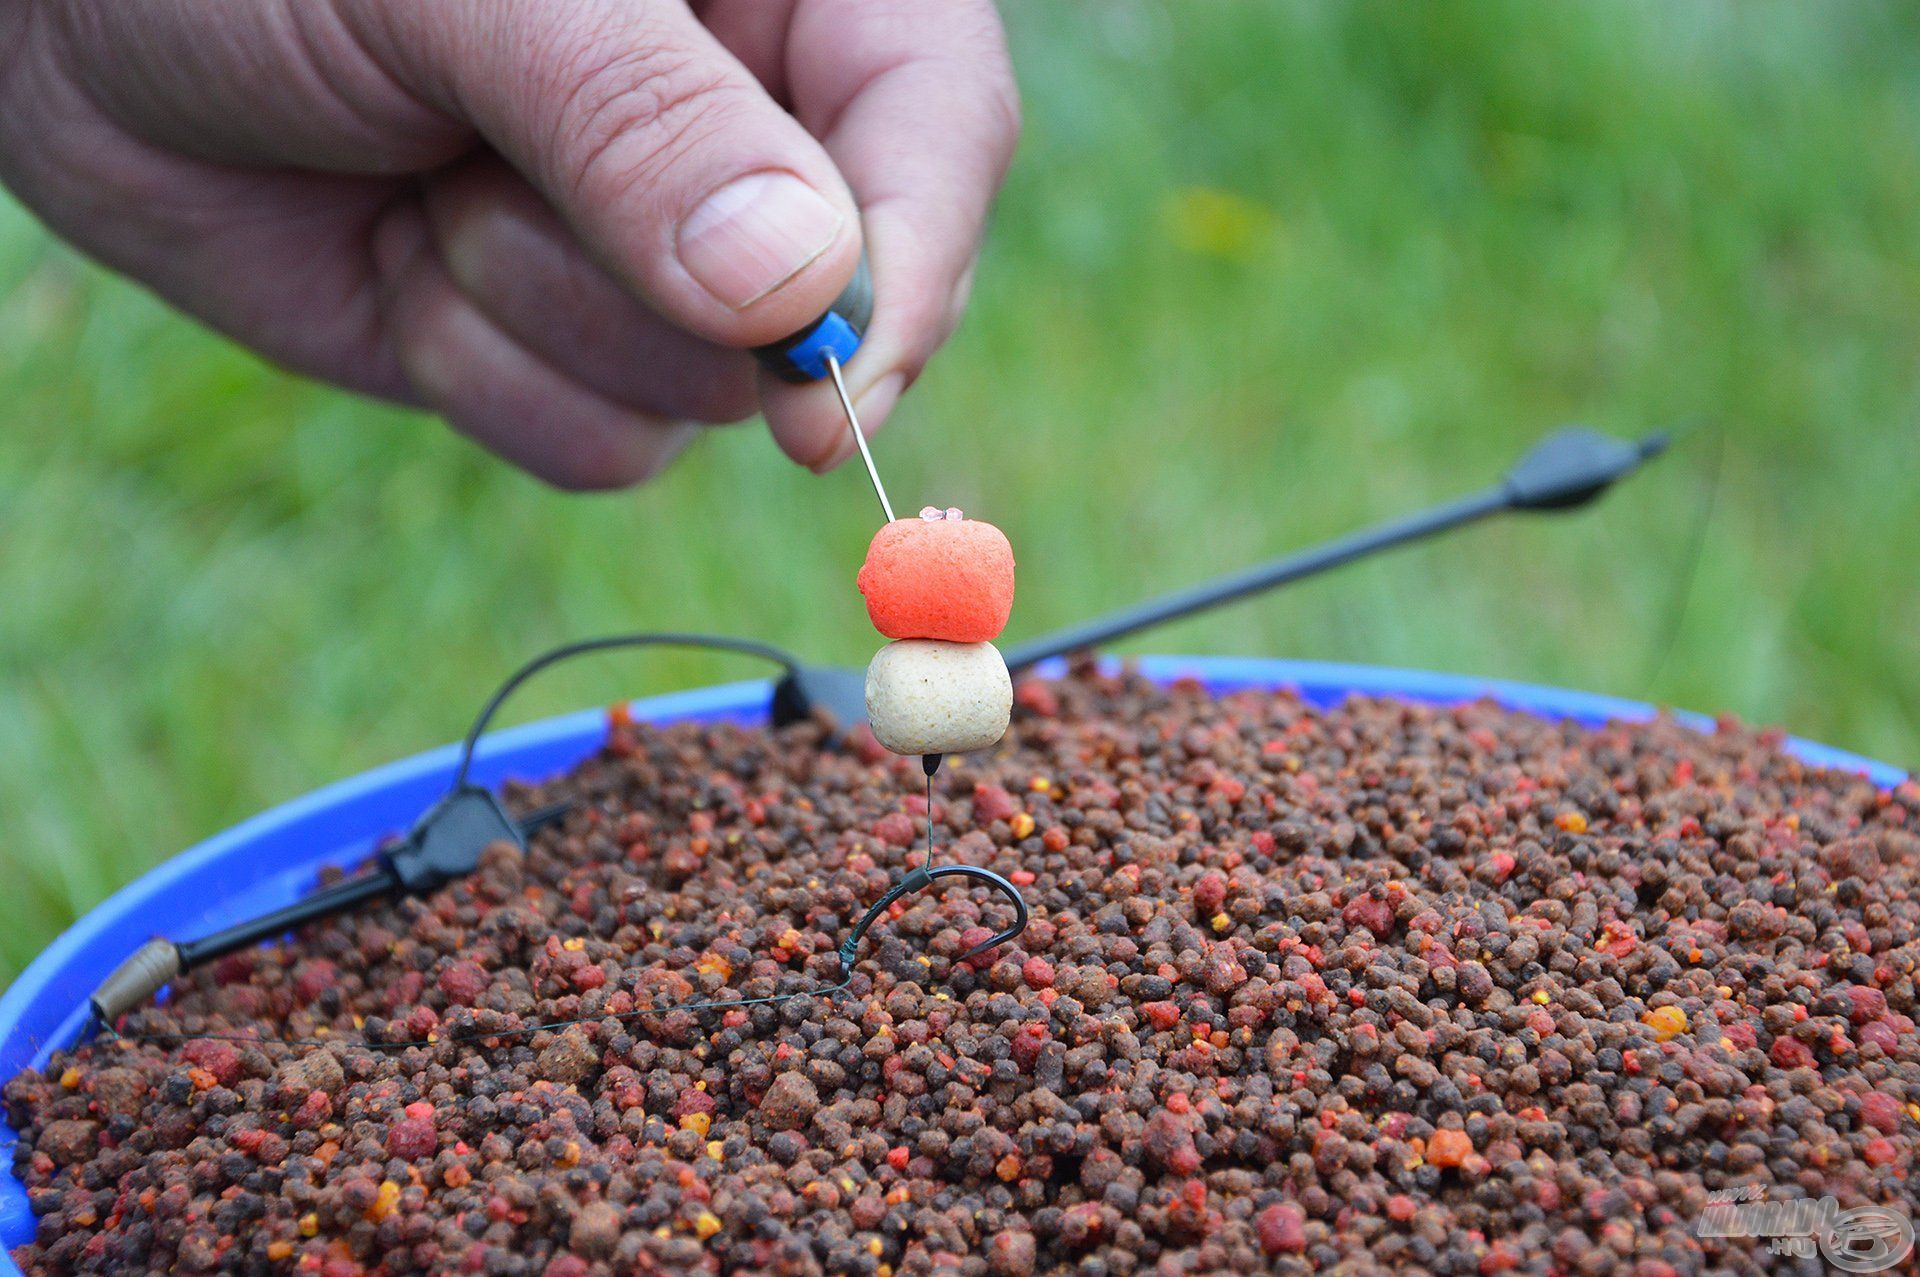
{"points": [[387, 1201], [699, 1123], [309, 1224], [71, 1079], [1665, 1021], [706, 1224]]}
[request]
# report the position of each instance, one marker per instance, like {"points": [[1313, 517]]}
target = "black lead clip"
{"points": [[444, 844]]}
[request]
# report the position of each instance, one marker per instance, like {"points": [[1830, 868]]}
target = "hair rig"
{"points": [[969, 709], [940, 586]]}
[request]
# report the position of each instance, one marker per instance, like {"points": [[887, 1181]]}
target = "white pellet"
{"points": [[925, 696]]}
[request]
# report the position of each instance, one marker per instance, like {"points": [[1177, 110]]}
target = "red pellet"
{"points": [[1383, 987]]}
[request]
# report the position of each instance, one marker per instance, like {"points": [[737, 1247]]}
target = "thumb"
{"points": [[658, 148]]}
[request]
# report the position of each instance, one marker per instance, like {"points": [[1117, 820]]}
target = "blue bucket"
{"points": [[276, 857]]}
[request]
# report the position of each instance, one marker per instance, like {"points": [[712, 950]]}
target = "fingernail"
{"points": [[756, 233], [872, 408]]}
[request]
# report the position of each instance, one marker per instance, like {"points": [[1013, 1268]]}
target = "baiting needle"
{"points": [[859, 438]]}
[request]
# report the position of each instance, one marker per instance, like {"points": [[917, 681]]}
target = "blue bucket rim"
{"points": [[549, 746]]}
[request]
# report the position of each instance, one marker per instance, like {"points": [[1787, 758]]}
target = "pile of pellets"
{"points": [[1383, 986]]}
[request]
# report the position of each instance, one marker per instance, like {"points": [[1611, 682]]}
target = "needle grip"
{"points": [[802, 357]]}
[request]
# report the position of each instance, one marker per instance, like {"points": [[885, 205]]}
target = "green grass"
{"points": [[1262, 273]]}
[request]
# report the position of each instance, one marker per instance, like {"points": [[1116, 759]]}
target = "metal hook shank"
{"points": [[922, 878]]}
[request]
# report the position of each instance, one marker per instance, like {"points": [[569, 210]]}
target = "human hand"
{"points": [[556, 222]]}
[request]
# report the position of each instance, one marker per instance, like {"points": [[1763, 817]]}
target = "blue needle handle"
{"points": [[802, 357]]}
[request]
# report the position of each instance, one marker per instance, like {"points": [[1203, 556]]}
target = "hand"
{"points": [[556, 222]]}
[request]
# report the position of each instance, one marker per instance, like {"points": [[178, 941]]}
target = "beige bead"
{"points": [[925, 696]]}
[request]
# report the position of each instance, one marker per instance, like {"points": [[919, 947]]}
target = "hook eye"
{"points": [[999, 884]]}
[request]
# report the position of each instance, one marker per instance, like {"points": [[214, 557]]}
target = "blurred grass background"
{"points": [[1262, 273]]}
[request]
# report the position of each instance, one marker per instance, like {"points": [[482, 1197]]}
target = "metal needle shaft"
{"points": [[859, 438]]}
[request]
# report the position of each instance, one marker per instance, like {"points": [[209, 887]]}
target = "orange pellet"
{"points": [[949, 579], [1449, 1148]]}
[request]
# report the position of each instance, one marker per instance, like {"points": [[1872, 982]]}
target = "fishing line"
{"points": [[915, 880], [1669, 642], [1565, 470], [420, 866], [568, 651]]}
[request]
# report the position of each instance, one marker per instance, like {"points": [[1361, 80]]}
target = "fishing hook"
{"points": [[922, 878]]}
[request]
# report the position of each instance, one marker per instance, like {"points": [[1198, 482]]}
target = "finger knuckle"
{"points": [[629, 113], [1001, 105], [584, 465], [604, 465], [723, 401]]}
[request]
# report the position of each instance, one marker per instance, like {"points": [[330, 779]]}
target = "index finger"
{"points": [[916, 103]]}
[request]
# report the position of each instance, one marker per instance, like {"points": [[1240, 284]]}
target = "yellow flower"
{"points": [[1217, 223]]}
